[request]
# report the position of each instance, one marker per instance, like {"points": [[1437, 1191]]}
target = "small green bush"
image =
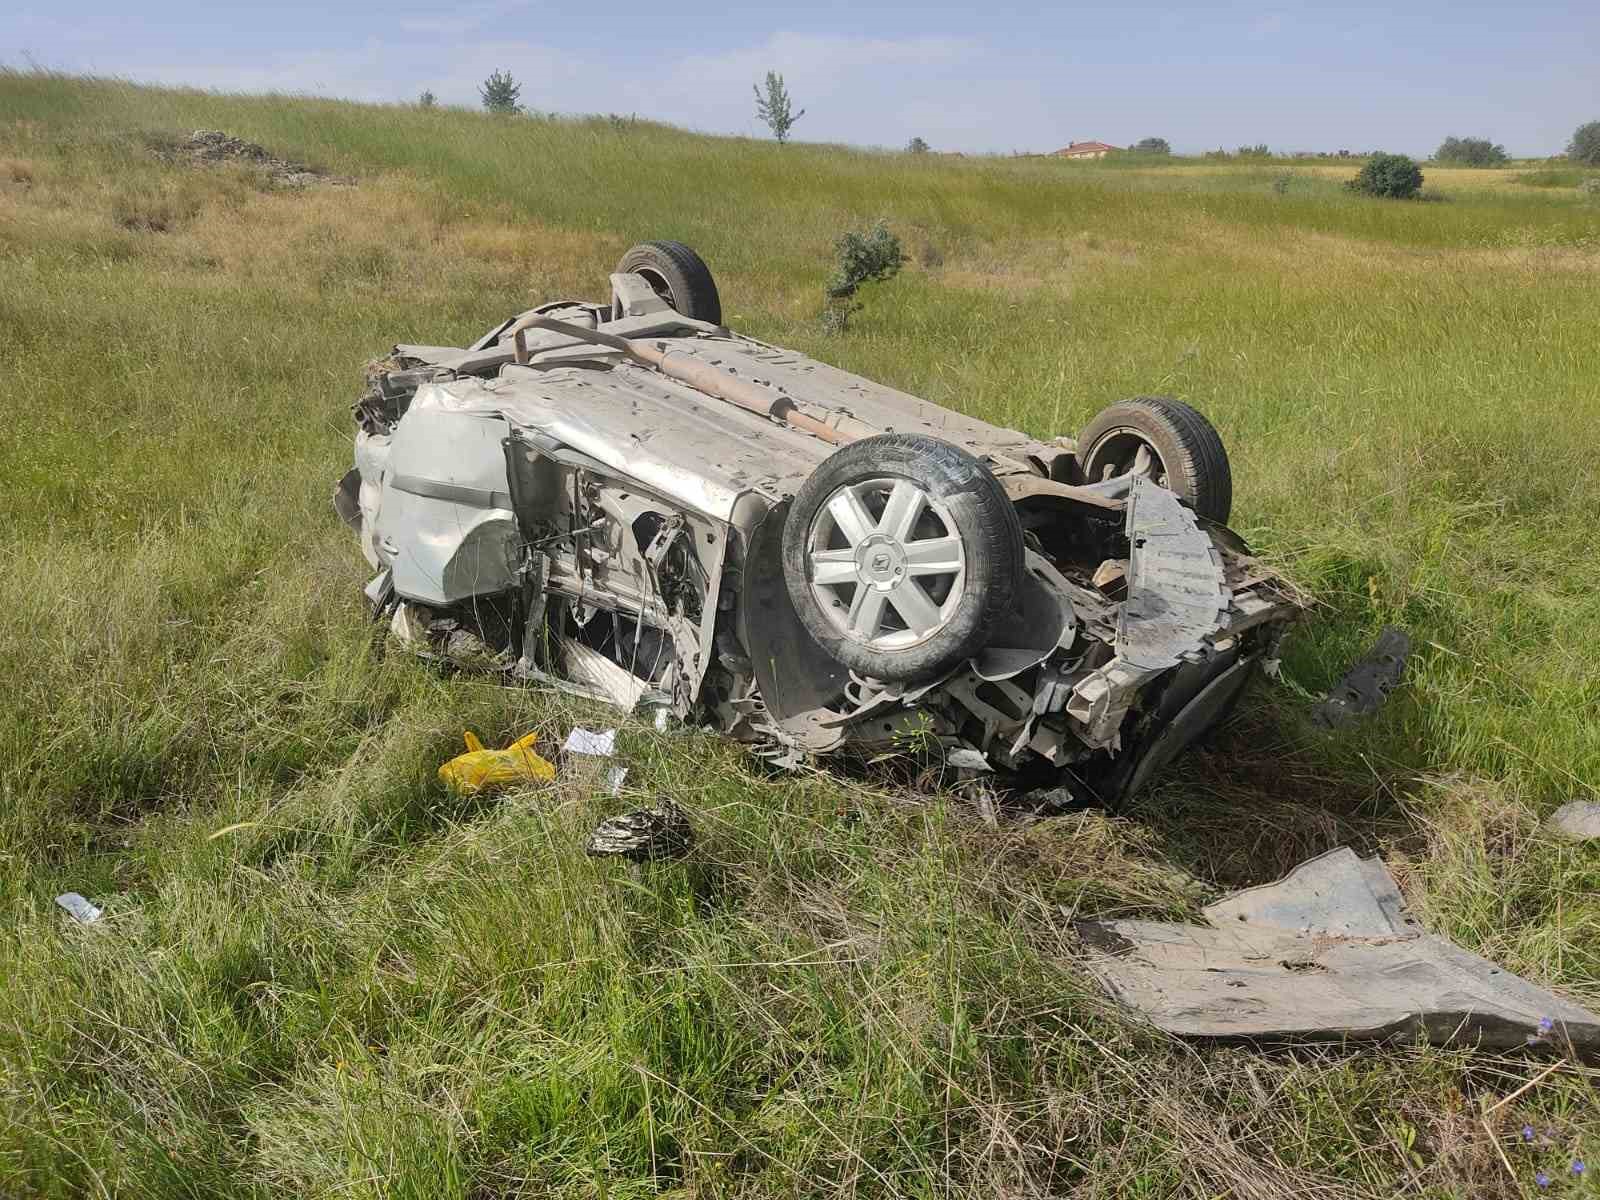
{"points": [[1585, 145], [861, 258], [1392, 176]]}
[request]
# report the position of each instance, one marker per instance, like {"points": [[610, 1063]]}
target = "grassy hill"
{"points": [[320, 975]]}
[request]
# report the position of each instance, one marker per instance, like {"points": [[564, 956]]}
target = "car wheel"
{"points": [[1167, 442], [901, 552], [679, 276]]}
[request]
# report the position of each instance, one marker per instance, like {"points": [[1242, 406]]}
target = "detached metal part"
{"points": [[644, 835], [1327, 952], [1366, 685]]}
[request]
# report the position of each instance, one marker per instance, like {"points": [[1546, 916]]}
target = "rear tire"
{"points": [[679, 276], [1171, 443], [901, 554]]}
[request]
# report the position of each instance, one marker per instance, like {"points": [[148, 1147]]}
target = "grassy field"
{"points": [[318, 974]]}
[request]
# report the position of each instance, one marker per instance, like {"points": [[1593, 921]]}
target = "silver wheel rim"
{"points": [[1126, 451], [886, 562]]}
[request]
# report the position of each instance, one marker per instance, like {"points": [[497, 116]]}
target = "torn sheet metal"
{"points": [[1176, 590], [1327, 952], [661, 831], [1367, 684], [1577, 821]]}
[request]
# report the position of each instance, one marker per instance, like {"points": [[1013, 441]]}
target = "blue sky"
{"points": [[994, 76]]}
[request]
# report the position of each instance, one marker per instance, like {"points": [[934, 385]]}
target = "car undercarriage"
{"points": [[630, 501]]}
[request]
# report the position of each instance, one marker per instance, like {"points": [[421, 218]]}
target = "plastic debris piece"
{"points": [[969, 758], [587, 741], [644, 835], [1577, 820], [1366, 685], [479, 768], [615, 778], [78, 908], [1327, 952], [661, 720]]}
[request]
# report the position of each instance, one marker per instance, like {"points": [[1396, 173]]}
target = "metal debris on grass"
{"points": [[1366, 685], [644, 834], [1327, 952], [1577, 821]]}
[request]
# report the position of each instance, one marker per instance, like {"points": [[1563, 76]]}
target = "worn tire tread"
{"points": [[693, 288], [1194, 451]]}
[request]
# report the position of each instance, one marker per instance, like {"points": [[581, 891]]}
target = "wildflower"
{"points": [[1577, 1167], [1541, 1179], [1546, 1025], [1527, 1133]]}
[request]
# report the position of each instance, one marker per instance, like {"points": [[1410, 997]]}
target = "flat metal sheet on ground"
{"points": [[1327, 952]]}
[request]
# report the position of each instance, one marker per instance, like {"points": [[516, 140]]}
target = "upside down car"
{"points": [[629, 500]]}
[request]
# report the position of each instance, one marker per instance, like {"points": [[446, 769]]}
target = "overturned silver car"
{"points": [[632, 501]]}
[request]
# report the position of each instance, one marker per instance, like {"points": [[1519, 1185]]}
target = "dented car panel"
{"points": [[561, 510]]}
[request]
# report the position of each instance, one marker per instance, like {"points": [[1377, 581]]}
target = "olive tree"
{"points": [[916, 146], [1153, 145], [773, 107]]}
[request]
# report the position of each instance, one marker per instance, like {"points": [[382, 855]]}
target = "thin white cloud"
{"points": [[461, 20]]}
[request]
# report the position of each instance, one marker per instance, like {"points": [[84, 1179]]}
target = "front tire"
{"points": [[1167, 442], [901, 552]]}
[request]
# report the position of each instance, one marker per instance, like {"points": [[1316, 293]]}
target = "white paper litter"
{"points": [[80, 909], [587, 741], [615, 778]]}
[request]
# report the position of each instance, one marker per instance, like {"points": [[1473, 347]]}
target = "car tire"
{"points": [[901, 554], [1181, 450], [679, 276]]}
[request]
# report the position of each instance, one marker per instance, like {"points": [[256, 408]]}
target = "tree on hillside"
{"points": [[1393, 176], [427, 100], [1585, 145], [773, 108], [500, 93], [916, 146], [1153, 146], [1259, 150], [1470, 152]]}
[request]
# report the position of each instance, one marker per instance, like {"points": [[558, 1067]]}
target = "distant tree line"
{"points": [[501, 93], [1471, 152]]}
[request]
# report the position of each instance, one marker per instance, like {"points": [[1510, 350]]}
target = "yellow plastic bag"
{"points": [[479, 768]]}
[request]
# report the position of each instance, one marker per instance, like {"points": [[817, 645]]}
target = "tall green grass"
{"points": [[321, 975]]}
